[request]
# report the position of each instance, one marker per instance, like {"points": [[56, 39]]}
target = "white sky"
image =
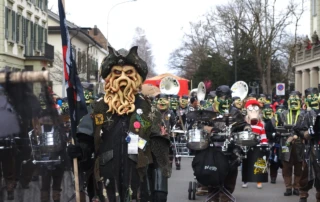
{"points": [[164, 21]]}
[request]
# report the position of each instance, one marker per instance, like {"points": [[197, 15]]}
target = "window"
{"points": [[19, 29], [35, 36], [13, 37], [7, 23], [314, 7], [23, 31]]}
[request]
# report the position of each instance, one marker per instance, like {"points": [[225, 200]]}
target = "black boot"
{"points": [[288, 192], [273, 180], [178, 167], [303, 200], [296, 192], [10, 195]]}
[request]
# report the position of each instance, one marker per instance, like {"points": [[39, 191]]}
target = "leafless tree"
{"points": [[144, 50], [262, 27], [56, 72]]}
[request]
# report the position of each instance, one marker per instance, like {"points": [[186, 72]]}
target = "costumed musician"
{"points": [[256, 170], [168, 121], [292, 148], [86, 162], [310, 132], [270, 124], [222, 107], [132, 155], [51, 136]]}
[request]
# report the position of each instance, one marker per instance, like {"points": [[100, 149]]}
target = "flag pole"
{"points": [[75, 160]]}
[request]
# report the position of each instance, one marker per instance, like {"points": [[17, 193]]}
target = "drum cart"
{"points": [[181, 150]]}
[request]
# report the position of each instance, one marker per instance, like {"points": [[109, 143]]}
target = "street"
{"points": [[179, 182]]}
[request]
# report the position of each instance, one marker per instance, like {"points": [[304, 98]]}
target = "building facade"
{"points": [[23, 36], [88, 51], [307, 60]]}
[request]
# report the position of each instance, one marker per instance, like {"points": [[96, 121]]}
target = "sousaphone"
{"points": [[240, 89], [169, 86], [201, 92]]}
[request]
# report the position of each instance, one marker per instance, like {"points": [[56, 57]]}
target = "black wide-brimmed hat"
{"points": [[133, 59]]}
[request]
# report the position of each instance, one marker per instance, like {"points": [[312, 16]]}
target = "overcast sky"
{"points": [[165, 21]]}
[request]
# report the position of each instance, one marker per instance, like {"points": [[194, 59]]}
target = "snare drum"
{"points": [[255, 166], [197, 139], [246, 138]]}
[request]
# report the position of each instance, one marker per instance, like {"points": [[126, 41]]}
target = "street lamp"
{"points": [[109, 15]]}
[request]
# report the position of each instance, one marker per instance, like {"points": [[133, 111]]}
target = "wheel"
{"points": [[190, 190], [194, 189]]}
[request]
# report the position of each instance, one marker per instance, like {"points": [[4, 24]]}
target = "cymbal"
{"points": [[202, 115]]}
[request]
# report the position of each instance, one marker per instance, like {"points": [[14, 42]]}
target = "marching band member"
{"points": [[274, 141], [311, 168], [168, 121], [222, 106], [174, 103], [292, 152], [253, 118]]}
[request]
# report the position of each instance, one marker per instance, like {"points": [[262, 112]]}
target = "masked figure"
{"points": [[253, 118], [279, 110], [86, 166], [308, 130], [174, 103], [262, 99], [222, 108], [210, 101], [222, 101], [292, 147], [168, 121], [274, 141], [128, 139]]}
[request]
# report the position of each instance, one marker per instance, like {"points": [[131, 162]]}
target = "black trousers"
{"points": [[55, 176], [7, 161]]}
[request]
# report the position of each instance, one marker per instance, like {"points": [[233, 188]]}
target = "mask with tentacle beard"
{"points": [[121, 85]]}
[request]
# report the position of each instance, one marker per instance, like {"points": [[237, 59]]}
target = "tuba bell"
{"points": [[201, 92], [240, 89], [169, 86]]}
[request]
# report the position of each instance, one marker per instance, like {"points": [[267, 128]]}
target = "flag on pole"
{"points": [[74, 88]]}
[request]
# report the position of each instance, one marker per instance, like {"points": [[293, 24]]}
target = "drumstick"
{"points": [[24, 77]]}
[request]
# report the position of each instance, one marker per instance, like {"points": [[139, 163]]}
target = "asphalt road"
{"points": [[179, 182]]}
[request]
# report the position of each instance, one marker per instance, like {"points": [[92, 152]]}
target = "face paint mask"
{"points": [[174, 103], [267, 113], [294, 102], [162, 104], [222, 104], [312, 101], [183, 103], [88, 96]]}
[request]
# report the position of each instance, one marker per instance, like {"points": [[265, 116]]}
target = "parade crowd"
{"points": [[127, 143]]}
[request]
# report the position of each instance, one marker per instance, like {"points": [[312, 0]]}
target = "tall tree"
{"points": [[262, 31], [144, 50]]}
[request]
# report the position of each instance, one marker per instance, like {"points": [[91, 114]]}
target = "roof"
{"points": [[72, 27], [161, 76]]}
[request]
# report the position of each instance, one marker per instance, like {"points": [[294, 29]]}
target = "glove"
{"points": [[311, 131], [74, 151], [159, 196]]}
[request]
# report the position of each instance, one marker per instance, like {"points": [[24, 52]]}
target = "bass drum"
{"points": [[255, 166]]}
